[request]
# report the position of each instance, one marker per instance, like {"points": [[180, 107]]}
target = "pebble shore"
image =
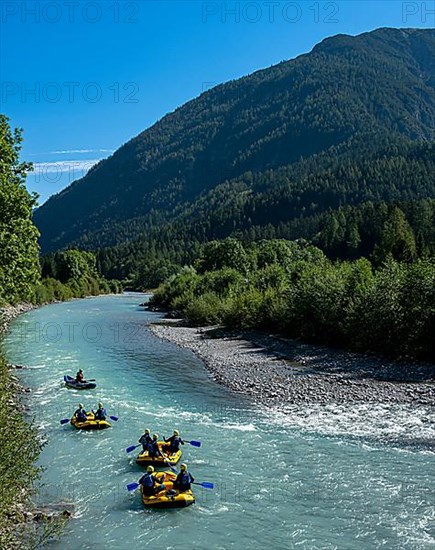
{"points": [[9, 313], [276, 371]]}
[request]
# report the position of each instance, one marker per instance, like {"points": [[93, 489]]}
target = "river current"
{"points": [[333, 477]]}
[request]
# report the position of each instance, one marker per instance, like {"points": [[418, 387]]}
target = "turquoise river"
{"points": [[331, 477]]}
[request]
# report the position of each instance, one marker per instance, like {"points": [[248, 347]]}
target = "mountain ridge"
{"points": [[375, 87]]}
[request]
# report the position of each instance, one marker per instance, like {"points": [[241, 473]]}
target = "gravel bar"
{"points": [[277, 371]]}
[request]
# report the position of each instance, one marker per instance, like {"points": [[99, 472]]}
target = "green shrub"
{"points": [[244, 310], [206, 309], [19, 450]]}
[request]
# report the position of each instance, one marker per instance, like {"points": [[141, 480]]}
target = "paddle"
{"points": [[134, 486], [205, 484], [194, 443], [132, 448], [82, 382]]}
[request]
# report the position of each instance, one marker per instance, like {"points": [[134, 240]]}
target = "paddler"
{"points": [[174, 443], [101, 412], [184, 479], [80, 414], [146, 440], [80, 376], [153, 448], [150, 483]]}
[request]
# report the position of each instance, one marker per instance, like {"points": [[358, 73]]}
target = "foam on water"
{"points": [[407, 425], [354, 476]]}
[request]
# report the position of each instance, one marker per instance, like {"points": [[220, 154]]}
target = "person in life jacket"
{"points": [[80, 414], [101, 412], [183, 480], [150, 483], [153, 447], [79, 376], [174, 443], [145, 440]]}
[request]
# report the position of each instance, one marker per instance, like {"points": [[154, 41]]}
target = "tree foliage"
{"points": [[295, 289], [19, 267]]}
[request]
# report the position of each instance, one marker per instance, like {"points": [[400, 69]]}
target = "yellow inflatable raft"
{"points": [[90, 424], [145, 460], [168, 498]]}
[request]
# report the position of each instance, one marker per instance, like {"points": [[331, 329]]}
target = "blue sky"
{"points": [[83, 77]]}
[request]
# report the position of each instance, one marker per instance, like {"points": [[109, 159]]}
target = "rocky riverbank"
{"points": [[21, 525], [9, 313], [277, 371]]}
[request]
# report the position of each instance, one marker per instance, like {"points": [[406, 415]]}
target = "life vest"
{"points": [[175, 443], [148, 481], [101, 414], [184, 480], [153, 448], [80, 415]]}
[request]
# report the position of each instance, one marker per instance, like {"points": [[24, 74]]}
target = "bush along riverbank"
{"points": [[19, 449], [21, 524], [293, 289]]}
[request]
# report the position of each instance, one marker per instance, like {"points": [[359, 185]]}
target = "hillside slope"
{"points": [[278, 130]]}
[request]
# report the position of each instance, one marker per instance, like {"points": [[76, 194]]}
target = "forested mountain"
{"points": [[278, 153]]}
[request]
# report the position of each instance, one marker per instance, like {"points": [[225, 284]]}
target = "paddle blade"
{"points": [[115, 418], [195, 443], [132, 486], [64, 421], [206, 485], [131, 448]]}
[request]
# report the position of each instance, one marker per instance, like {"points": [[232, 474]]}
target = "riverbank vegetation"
{"points": [[19, 448], [293, 288], [71, 274]]}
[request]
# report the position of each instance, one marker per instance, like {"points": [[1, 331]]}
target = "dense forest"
{"points": [[292, 288], [280, 153]]}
